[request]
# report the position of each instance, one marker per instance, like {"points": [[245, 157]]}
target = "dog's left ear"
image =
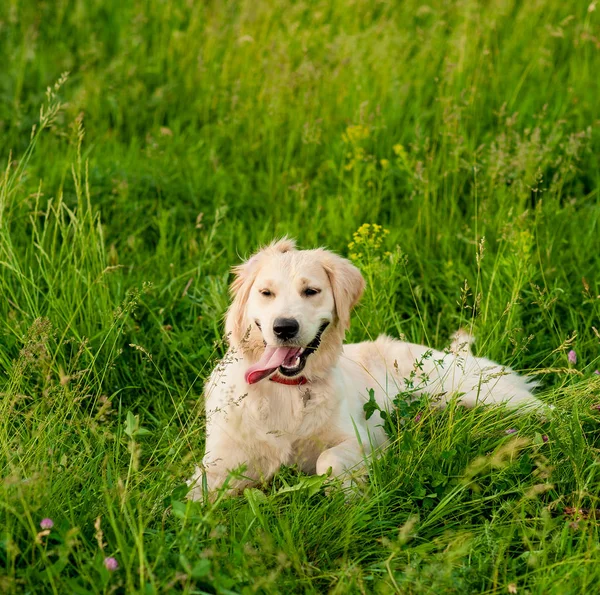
{"points": [[347, 283]]}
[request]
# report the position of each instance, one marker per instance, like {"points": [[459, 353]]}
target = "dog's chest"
{"points": [[295, 411]]}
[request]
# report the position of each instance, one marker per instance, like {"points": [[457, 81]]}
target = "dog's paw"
{"points": [[197, 485]]}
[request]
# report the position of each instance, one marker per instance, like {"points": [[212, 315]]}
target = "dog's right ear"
{"points": [[236, 325], [245, 274]]}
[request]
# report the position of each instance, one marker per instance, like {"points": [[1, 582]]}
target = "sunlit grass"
{"points": [[176, 137]]}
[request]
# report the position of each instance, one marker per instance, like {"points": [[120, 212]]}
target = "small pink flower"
{"points": [[46, 524], [111, 564], [597, 372], [545, 438], [572, 357], [417, 418], [511, 431]]}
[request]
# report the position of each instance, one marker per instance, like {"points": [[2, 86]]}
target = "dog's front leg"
{"points": [[343, 457], [229, 463], [214, 473]]}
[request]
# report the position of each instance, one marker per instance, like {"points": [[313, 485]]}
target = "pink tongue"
{"points": [[271, 359]]}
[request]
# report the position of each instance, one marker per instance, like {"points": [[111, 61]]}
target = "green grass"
{"points": [[186, 135]]}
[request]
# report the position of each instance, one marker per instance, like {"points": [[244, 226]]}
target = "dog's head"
{"points": [[291, 309]]}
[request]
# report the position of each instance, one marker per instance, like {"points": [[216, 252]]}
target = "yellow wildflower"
{"points": [[355, 134]]}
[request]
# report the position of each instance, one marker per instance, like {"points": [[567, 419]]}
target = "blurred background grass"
{"points": [[185, 135]]}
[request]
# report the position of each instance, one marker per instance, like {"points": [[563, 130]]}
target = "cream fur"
{"points": [[321, 425]]}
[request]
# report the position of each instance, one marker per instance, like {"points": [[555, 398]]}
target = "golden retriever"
{"points": [[289, 391]]}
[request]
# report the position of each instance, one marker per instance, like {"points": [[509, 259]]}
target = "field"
{"points": [[148, 146]]}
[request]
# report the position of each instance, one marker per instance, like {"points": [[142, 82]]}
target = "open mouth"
{"points": [[292, 366], [289, 360]]}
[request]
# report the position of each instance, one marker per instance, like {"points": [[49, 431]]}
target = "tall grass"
{"points": [[175, 137]]}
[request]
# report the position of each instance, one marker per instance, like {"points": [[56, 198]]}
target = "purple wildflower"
{"points": [[111, 564], [597, 372], [417, 418], [46, 524], [572, 357], [545, 438], [511, 431]]}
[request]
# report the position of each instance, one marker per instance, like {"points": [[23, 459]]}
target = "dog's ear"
{"points": [[240, 290], [347, 283], [245, 274]]}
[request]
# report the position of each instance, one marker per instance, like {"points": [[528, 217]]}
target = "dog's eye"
{"points": [[266, 292], [311, 291]]}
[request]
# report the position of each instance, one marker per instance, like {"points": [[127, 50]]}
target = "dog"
{"points": [[289, 391]]}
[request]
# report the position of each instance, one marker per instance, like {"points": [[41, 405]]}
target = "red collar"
{"points": [[280, 379]]}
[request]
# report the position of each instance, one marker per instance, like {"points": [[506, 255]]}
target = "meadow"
{"points": [[449, 148]]}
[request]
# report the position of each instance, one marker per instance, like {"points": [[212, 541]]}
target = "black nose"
{"points": [[286, 328]]}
